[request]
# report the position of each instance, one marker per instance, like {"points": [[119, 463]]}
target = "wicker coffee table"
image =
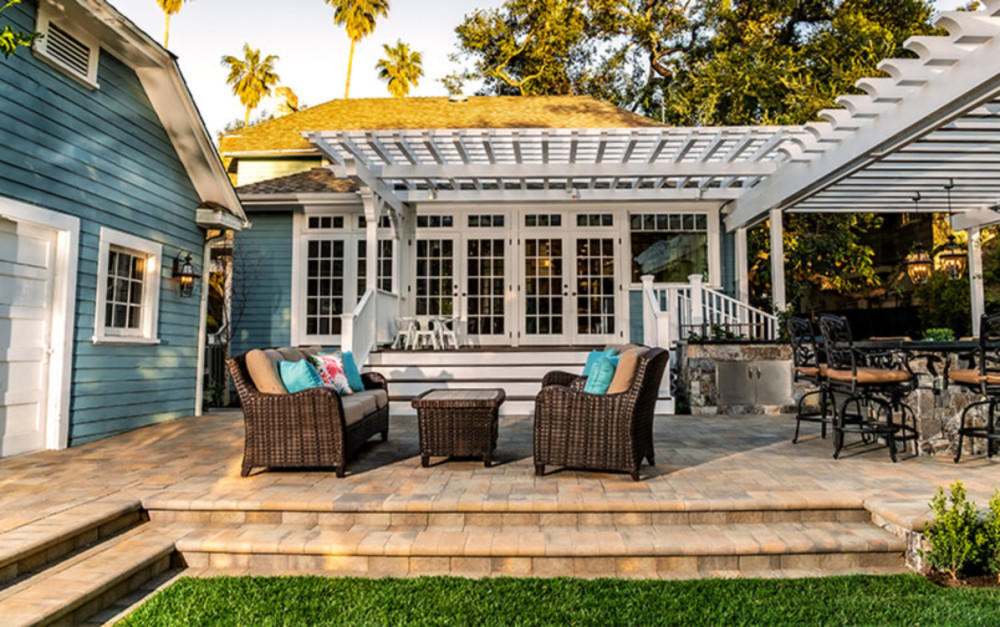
{"points": [[460, 423]]}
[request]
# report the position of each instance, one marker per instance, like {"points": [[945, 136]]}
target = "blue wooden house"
{"points": [[109, 184]]}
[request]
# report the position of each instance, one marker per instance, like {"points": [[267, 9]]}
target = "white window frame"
{"points": [[40, 47], [147, 333]]}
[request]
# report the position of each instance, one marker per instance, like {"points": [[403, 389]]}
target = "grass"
{"points": [[855, 600]]}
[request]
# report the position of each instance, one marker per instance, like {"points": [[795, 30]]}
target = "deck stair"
{"points": [[639, 544], [518, 372], [67, 567]]}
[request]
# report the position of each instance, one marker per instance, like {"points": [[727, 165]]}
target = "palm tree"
{"points": [[358, 17], [169, 7], [401, 68], [251, 77]]}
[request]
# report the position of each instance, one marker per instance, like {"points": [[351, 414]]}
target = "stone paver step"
{"points": [[72, 590], [652, 551], [32, 546]]}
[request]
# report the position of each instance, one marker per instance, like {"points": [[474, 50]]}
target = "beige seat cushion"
{"points": [[869, 376], [972, 377], [625, 372], [381, 396], [263, 369], [357, 406]]}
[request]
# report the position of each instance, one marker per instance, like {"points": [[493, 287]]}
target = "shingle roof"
{"points": [[283, 134], [317, 180]]}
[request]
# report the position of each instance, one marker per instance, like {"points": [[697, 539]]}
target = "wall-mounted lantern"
{"points": [[184, 275]]}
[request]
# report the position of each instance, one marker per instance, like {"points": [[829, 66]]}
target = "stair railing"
{"points": [[370, 324]]}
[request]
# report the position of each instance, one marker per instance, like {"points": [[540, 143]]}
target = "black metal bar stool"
{"points": [[873, 384], [985, 379], [805, 358]]}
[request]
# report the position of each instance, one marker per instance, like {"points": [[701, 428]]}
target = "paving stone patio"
{"points": [[718, 462]]}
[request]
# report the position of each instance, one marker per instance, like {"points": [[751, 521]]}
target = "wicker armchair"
{"points": [[302, 430], [598, 432]]}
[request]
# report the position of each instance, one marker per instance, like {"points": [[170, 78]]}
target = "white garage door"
{"points": [[26, 277]]}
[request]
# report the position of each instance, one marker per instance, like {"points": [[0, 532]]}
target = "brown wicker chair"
{"points": [[599, 432], [305, 429]]}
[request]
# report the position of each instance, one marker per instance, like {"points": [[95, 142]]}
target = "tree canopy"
{"points": [[401, 68], [169, 8], [358, 17], [10, 39], [251, 77]]}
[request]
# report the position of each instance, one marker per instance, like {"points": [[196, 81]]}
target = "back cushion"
{"points": [[263, 369], [625, 373], [291, 354]]}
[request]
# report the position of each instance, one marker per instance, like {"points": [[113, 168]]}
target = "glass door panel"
{"points": [[544, 289], [485, 277], [324, 287], [595, 289], [435, 277]]}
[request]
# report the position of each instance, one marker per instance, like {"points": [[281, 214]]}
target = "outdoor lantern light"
{"points": [[185, 275], [951, 257], [919, 265]]}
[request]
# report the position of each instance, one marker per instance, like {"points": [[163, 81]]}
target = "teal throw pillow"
{"points": [[352, 372], [594, 357], [600, 377], [299, 375]]}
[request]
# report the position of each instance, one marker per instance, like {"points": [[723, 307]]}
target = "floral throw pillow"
{"points": [[331, 370]]}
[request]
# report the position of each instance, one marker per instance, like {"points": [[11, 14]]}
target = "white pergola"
{"points": [[932, 123]]}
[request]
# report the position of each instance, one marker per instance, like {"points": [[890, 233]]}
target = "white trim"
{"points": [[148, 329], [63, 322], [41, 47]]}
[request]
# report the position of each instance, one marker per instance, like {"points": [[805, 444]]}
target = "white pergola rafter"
{"points": [[517, 165]]}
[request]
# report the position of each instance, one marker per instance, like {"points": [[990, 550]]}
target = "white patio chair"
{"points": [[426, 334], [405, 333], [451, 332]]}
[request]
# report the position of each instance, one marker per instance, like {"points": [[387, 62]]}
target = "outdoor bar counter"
{"points": [[938, 406]]}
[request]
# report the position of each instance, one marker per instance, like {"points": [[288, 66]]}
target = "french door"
{"points": [[486, 289]]}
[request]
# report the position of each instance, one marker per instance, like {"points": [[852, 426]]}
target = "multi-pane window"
{"points": [[543, 286], [125, 283], [435, 222], [384, 266], [595, 219], [435, 277], [543, 219], [486, 221], [669, 246], [383, 222], [324, 286], [323, 223], [485, 283], [595, 289]]}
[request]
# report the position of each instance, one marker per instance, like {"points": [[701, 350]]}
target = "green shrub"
{"points": [[952, 534], [939, 335], [988, 538]]}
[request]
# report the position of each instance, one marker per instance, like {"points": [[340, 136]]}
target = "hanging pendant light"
{"points": [[918, 263], [952, 257]]}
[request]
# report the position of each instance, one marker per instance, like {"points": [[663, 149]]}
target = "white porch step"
{"points": [[513, 389], [457, 372], [498, 357]]}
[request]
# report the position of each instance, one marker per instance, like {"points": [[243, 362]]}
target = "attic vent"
{"points": [[68, 50], [458, 98]]}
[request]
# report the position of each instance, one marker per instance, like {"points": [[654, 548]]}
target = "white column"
{"points": [[648, 314], [697, 303], [978, 299], [778, 261], [372, 215], [742, 266]]}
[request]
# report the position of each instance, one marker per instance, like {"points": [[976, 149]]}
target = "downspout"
{"points": [[206, 278]]}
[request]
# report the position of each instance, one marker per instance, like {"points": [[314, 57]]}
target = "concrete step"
{"points": [[647, 551], [34, 546], [71, 591]]}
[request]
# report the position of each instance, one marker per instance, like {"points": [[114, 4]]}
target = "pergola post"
{"points": [[742, 266], [778, 261], [371, 238], [978, 299]]}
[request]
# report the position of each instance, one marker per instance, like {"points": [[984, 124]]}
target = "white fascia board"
{"points": [[945, 95], [161, 78], [572, 170], [558, 195], [218, 219]]}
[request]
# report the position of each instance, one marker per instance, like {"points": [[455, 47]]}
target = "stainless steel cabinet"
{"points": [[763, 383]]}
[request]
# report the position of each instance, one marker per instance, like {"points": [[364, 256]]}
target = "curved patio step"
{"points": [[650, 551], [72, 590]]}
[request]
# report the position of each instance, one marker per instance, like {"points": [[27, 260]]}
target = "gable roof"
{"points": [[167, 91], [487, 112]]}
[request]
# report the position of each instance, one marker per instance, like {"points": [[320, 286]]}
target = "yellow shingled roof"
{"points": [[431, 113]]}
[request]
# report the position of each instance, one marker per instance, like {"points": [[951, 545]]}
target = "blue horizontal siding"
{"points": [[635, 326], [104, 157], [264, 296]]}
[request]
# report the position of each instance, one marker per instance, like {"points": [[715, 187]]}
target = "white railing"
{"points": [[676, 312], [370, 324]]}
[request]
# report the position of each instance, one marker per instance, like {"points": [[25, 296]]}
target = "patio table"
{"points": [[458, 422]]}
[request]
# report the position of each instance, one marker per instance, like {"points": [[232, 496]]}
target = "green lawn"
{"points": [[896, 600]]}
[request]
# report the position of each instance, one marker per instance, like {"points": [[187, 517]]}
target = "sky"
{"points": [[312, 52]]}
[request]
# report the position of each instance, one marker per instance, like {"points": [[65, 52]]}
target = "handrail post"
{"points": [[697, 302]]}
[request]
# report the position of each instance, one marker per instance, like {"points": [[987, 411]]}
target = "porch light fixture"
{"points": [[952, 257], [918, 263], [184, 275]]}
